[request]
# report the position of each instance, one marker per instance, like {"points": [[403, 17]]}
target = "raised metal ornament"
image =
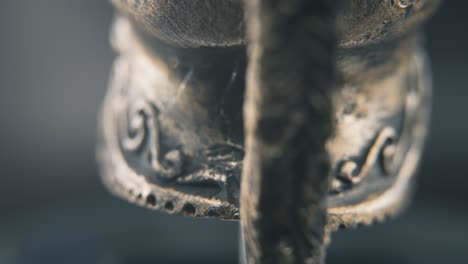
{"points": [[337, 100]]}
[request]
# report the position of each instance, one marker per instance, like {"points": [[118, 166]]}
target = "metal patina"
{"points": [[337, 100]]}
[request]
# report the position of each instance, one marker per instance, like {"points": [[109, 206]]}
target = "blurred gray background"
{"points": [[54, 64]]}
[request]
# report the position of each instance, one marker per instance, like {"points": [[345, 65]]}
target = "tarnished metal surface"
{"points": [[172, 126]]}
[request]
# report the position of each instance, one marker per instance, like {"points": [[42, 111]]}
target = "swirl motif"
{"points": [[383, 147], [139, 130]]}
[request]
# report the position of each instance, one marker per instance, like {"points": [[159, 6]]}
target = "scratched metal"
{"points": [[171, 127]]}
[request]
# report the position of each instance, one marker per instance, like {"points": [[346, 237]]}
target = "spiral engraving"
{"points": [[140, 134], [383, 148]]}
